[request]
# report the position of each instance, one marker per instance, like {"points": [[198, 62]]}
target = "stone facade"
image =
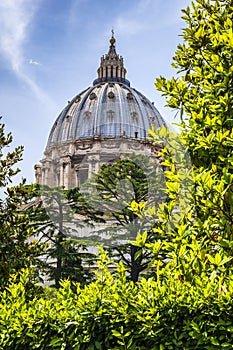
{"points": [[71, 164]]}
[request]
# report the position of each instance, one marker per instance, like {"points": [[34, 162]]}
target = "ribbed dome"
{"points": [[109, 109]]}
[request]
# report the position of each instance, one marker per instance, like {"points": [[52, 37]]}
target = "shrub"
{"points": [[113, 314]]}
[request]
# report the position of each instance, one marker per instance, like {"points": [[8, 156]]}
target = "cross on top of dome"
{"points": [[112, 40]]}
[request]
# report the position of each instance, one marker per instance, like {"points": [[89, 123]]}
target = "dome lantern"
{"points": [[111, 66]]}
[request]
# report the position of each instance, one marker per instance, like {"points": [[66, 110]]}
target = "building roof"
{"points": [[109, 108]]}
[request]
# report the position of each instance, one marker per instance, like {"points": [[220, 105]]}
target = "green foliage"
{"points": [[133, 179], [111, 314], [76, 262], [202, 92], [17, 248], [116, 185]]}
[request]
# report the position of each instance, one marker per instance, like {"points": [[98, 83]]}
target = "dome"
{"points": [[110, 108], [107, 109]]}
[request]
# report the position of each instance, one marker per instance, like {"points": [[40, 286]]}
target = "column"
{"points": [[38, 174], [61, 174], [66, 173]]}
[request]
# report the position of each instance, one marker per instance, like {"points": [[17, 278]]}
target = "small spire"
{"points": [[112, 40], [111, 66]]}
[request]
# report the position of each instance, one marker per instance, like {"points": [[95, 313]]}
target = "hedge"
{"points": [[111, 313]]}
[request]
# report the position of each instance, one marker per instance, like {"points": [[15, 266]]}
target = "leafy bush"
{"points": [[160, 313]]}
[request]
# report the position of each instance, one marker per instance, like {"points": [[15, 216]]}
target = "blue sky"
{"points": [[50, 51]]}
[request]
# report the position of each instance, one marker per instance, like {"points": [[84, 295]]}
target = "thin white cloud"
{"points": [[33, 62], [15, 19]]}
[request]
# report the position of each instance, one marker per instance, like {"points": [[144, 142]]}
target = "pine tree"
{"points": [[51, 215], [109, 193]]}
